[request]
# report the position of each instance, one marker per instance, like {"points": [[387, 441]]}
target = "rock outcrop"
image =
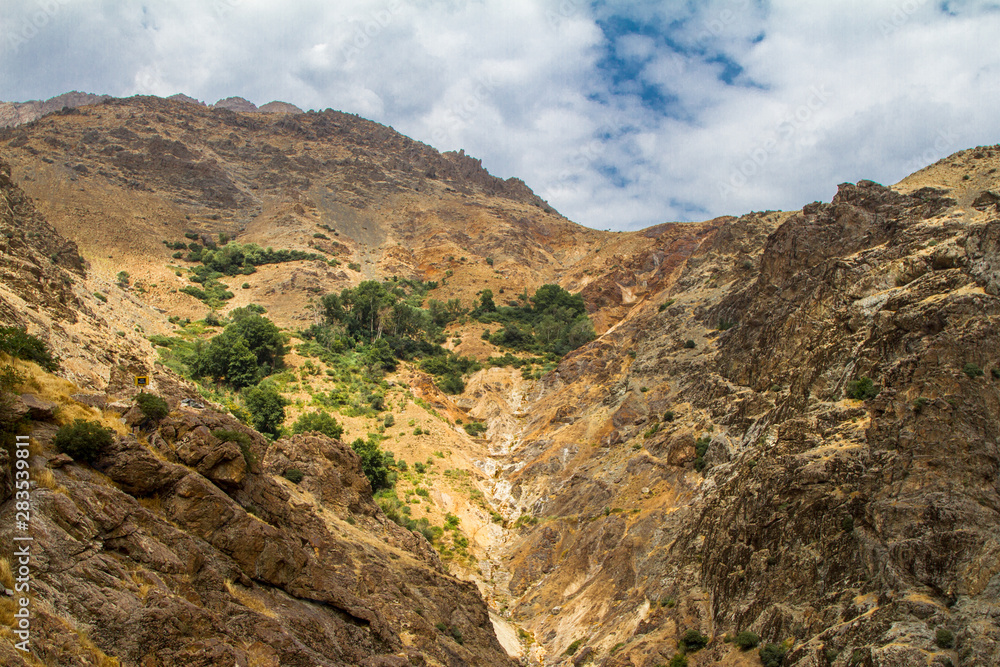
{"points": [[168, 554]]}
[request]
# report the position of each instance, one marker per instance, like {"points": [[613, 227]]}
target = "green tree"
{"points": [[266, 407], [321, 422], [242, 369], [373, 462]]}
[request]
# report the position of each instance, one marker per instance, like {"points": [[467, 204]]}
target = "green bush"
{"points": [[320, 422], [862, 389], [22, 345], [772, 655], [689, 344], [747, 640], [572, 648], [972, 370], [944, 638], [84, 440], [679, 660], [692, 641], [475, 429], [152, 406], [266, 407], [294, 475]]}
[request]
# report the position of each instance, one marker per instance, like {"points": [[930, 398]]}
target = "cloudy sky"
{"points": [[620, 114]]}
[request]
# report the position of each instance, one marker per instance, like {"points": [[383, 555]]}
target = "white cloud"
{"points": [[623, 114]]}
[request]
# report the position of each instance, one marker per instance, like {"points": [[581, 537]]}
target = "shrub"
{"points": [[919, 404], [668, 416], [944, 638], [847, 524], [389, 420], [152, 406], [320, 422], [22, 345], [972, 370], [689, 344], [692, 641], [679, 660], [572, 648], [995, 373], [123, 278], [772, 655], [84, 440], [294, 475], [475, 429], [747, 640], [862, 389]]}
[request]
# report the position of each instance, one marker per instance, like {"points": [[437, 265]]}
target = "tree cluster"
{"points": [[248, 349], [552, 321]]}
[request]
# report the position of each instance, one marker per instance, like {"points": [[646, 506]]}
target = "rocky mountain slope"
{"points": [[184, 543], [788, 425]]}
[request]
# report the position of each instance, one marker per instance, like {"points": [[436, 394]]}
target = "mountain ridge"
{"points": [[713, 462]]}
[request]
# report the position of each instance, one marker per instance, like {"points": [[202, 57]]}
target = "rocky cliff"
{"points": [[788, 425], [711, 465]]}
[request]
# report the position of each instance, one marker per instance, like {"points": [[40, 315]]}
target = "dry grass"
{"points": [[144, 584], [57, 390], [249, 600], [90, 650], [7, 608], [6, 574], [47, 478], [152, 503]]}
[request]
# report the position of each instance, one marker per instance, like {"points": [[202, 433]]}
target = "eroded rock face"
{"points": [[174, 563], [768, 500]]}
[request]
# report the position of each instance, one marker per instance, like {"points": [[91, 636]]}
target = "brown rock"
{"points": [[39, 409]]}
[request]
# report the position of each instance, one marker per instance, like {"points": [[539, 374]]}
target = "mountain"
{"points": [[786, 425]]}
